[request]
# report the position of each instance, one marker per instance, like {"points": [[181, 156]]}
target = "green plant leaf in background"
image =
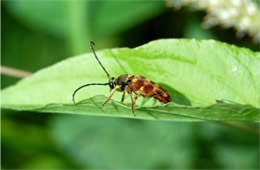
{"points": [[80, 21], [196, 74], [111, 17]]}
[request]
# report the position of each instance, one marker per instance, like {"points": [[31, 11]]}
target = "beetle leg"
{"points": [[123, 96], [136, 97], [133, 103], [132, 100], [109, 98]]}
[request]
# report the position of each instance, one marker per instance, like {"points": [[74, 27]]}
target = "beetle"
{"points": [[130, 83]]}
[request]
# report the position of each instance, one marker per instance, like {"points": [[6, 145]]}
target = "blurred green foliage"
{"points": [[36, 34]]}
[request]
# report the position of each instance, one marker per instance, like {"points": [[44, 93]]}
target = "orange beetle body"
{"points": [[140, 86]]}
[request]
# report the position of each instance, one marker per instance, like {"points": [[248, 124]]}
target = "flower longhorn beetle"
{"points": [[130, 83]]}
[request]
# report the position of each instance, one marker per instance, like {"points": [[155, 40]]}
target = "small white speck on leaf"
{"points": [[234, 68]]}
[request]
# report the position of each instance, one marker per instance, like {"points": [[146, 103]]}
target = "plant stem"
{"points": [[13, 72]]}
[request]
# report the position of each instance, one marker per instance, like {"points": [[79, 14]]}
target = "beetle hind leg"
{"points": [[133, 102]]}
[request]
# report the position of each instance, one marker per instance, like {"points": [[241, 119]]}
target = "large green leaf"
{"points": [[196, 74]]}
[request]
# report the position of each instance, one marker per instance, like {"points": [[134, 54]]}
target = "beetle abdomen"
{"points": [[142, 86]]}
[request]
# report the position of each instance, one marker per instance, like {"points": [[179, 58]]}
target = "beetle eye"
{"points": [[111, 85]]}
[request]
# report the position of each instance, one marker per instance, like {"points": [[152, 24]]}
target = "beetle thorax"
{"points": [[124, 79]]}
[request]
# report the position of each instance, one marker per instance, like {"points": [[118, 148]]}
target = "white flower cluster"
{"points": [[243, 15]]}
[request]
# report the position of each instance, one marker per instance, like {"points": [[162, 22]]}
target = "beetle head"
{"points": [[112, 83]]}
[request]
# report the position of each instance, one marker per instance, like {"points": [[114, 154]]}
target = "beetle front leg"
{"points": [[109, 98]]}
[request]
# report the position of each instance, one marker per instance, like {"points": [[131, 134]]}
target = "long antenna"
{"points": [[99, 84], [92, 47]]}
